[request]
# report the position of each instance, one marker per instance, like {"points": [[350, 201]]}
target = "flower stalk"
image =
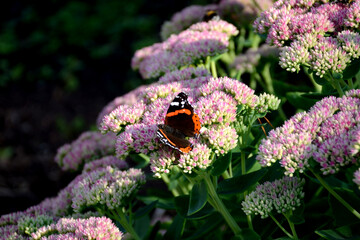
{"points": [[219, 206], [337, 196]]}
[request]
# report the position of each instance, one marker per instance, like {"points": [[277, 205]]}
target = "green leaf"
{"points": [[321, 81], [145, 210], [337, 76], [336, 183], [299, 100], [141, 159], [297, 219], [182, 205], [275, 171], [198, 197], [203, 213], [248, 234], [142, 226], [352, 69], [336, 234], [241, 183], [176, 229], [221, 164], [341, 214], [281, 88], [213, 222]]}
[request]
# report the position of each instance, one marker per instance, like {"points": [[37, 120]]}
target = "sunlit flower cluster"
{"points": [[184, 19], [108, 187], [89, 146], [327, 132], [316, 34], [69, 228], [194, 44]]}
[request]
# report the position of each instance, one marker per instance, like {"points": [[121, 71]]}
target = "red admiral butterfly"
{"points": [[180, 122]]}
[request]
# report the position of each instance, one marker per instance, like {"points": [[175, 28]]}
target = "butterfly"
{"points": [[180, 122]]}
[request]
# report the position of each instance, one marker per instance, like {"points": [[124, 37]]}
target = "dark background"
{"points": [[60, 63]]}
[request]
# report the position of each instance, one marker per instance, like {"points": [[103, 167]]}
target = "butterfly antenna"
{"points": [[262, 127], [267, 120]]}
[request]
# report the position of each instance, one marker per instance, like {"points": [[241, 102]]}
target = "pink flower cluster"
{"points": [[280, 195], [108, 187], [215, 100], [328, 132], [129, 98], [184, 19], [325, 55], [194, 44], [316, 34], [88, 147], [93, 228]]}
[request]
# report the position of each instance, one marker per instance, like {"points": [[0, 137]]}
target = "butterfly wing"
{"points": [[173, 141], [181, 116]]}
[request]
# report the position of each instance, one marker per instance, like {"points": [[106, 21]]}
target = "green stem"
{"points": [[238, 75], [338, 88], [337, 196], [241, 40], [317, 87], [121, 218], [267, 78], [350, 83], [220, 207], [167, 181], [292, 227], [225, 175], [213, 69], [230, 169], [243, 172], [183, 188], [280, 226]]}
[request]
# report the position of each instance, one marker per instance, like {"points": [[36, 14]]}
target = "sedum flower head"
{"points": [[104, 162], [184, 74], [319, 35], [129, 98], [328, 57], [217, 107], [184, 19], [69, 228], [89, 146], [122, 116], [194, 44], [267, 101], [278, 196], [108, 187], [239, 91], [353, 15], [199, 157], [325, 133], [221, 138], [28, 225], [350, 43], [219, 26]]}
